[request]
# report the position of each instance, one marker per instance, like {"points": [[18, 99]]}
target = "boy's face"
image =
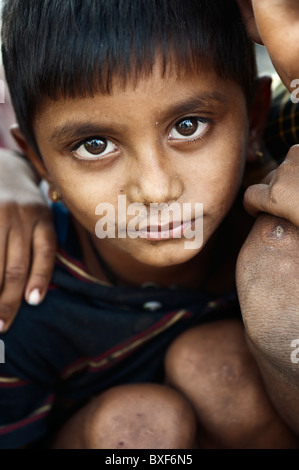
{"points": [[165, 140]]}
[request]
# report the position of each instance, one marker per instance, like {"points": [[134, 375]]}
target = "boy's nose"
{"points": [[154, 181]]}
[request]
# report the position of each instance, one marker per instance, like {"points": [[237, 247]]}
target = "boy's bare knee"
{"points": [[140, 417], [203, 350], [213, 367]]}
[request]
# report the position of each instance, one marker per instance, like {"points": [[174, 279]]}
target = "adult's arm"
{"points": [[267, 281], [27, 237], [275, 24]]}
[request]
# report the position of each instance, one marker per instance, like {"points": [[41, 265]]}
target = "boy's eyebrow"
{"points": [[203, 101], [209, 102], [72, 130]]}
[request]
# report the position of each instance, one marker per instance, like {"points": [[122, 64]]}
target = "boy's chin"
{"points": [[162, 254]]}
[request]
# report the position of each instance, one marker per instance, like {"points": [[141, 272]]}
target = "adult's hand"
{"points": [[278, 194], [27, 238]]}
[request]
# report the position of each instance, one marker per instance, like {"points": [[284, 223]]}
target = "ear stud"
{"points": [[55, 196], [260, 155]]}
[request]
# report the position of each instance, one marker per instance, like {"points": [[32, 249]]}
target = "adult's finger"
{"points": [[275, 201], [256, 199], [44, 246], [15, 275], [280, 197], [4, 233]]}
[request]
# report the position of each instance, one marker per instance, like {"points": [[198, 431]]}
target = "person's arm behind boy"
{"points": [[267, 282], [275, 24], [27, 237], [268, 266]]}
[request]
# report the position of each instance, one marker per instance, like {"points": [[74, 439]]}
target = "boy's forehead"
{"points": [[160, 83]]}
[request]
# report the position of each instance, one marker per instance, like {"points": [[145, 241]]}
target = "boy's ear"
{"points": [[29, 152], [258, 117]]}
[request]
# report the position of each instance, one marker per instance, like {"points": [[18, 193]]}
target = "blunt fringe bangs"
{"points": [[71, 48]]}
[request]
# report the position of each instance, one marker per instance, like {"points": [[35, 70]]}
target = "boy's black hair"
{"points": [[69, 48]]}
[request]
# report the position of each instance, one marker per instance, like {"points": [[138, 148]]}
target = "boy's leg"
{"points": [[212, 366], [267, 277], [141, 416]]}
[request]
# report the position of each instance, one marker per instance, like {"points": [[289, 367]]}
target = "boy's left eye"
{"points": [[189, 128], [95, 147]]}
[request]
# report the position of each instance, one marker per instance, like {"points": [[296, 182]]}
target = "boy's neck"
{"points": [[200, 271]]}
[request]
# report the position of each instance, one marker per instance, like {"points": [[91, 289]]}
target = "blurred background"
{"points": [[263, 60]]}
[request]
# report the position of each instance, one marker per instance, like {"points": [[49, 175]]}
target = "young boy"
{"points": [[155, 102]]}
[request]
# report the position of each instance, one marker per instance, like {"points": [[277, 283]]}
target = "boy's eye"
{"points": [[188, 127], [95, 147]]}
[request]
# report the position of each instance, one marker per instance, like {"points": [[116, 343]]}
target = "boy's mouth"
{"points": [[169, 231]]}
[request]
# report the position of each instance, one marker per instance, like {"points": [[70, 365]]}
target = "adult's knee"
{"points": [[267, 281]]}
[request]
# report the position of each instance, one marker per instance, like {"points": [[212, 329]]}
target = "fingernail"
{"points": [[2, 325], [34, 297]]}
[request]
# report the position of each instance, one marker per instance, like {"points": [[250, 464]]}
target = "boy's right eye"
{"points": [[189, 128], [94, 148]]}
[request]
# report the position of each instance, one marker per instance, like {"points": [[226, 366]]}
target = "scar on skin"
{"points": [[278, 231]]}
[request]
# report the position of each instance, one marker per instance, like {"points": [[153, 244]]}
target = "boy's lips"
{"points": [[163, 227], [166, 231]]}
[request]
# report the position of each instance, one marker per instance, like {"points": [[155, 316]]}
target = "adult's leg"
{"points": [[141, 416], [213, 367], [267, 278]]}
